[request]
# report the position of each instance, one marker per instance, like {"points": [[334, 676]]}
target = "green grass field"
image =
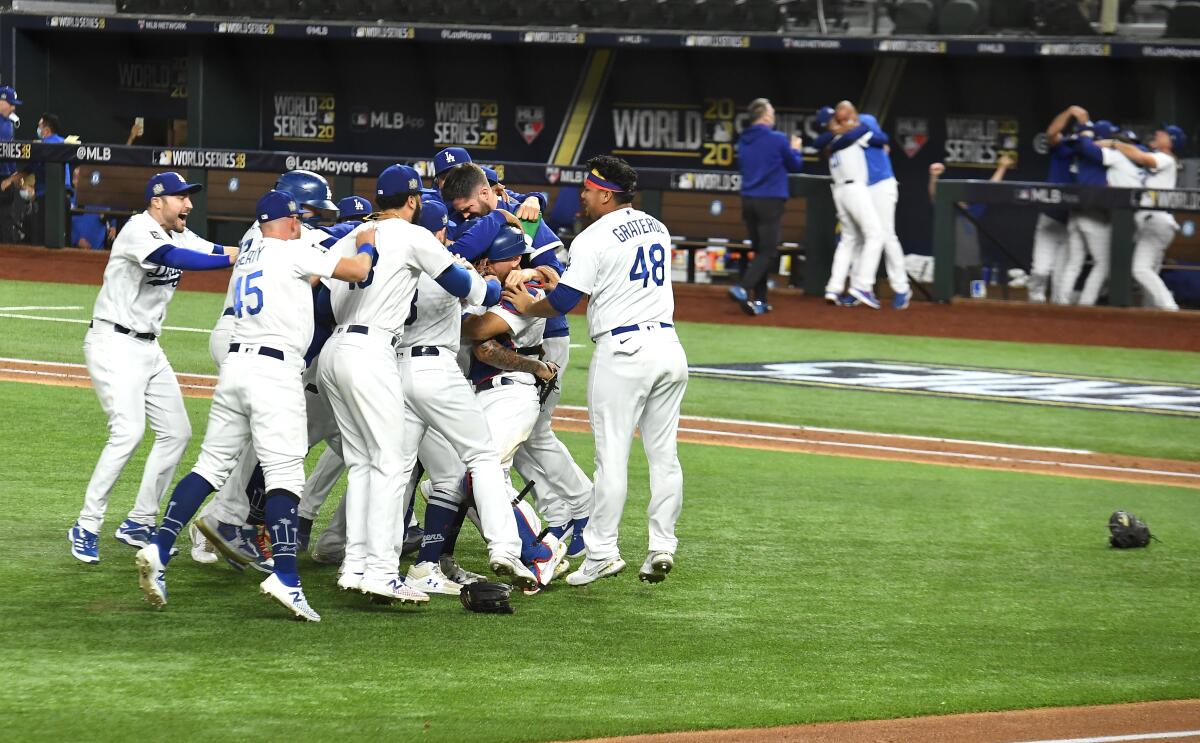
{"points": [[807, 588]]}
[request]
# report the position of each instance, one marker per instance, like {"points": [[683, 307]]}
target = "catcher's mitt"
{"points": [[487, 598], [1127, 530], [545, 387]]}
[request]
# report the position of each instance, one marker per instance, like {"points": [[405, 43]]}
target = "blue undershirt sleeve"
{"points": [[187, 260], [456, 280], [564, 298], [850, 137], [492, 295]]}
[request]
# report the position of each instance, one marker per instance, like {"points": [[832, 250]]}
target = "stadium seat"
{"points": [[684, 14], [604, 13], [1184, 20], [645, 14], [763, 15], [912, 16], [1062, 18], [960, 17], [1012, 14], [719, 15]]}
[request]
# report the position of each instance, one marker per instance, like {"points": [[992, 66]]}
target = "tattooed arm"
{"points": [[493, 353]]}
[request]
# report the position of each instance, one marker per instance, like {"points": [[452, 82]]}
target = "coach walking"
{"points": [[765, 157]]}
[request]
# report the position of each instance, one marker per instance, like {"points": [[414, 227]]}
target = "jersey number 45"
{"points": [[244, 288]]}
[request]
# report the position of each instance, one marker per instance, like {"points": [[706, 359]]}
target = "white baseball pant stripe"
{"points": [[358, 374], [562, 491], [636, 384], [1049, 256], [1155, 232], [133, 381], [442, 411]]}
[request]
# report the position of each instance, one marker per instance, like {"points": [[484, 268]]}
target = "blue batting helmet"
{"points": [[508, 243], [310, 190]]}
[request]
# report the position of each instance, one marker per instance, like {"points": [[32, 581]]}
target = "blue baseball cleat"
{"points": [[900, 301], [134, 534], [578, 547], [84, 545], [739, 296], [867, 298]]}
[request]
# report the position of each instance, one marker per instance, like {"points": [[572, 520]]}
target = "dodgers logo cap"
{"points": [[353, 207], [433, 215], [275, 205], [1178, 138], [448, 158], [169, 184], [824, 114], [9, 93], [1105, 129], [398, 179]]}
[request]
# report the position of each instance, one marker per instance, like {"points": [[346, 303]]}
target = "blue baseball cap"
{"points": [[8, 93], [1104, 129], [492, 178], [353, 207], [448, 158], [169, 184], [508, 243], [396, 180], [275, 205], [824, 114], [433, 215], [1178, 138]]}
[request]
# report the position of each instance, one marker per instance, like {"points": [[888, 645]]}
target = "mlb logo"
{"points": [[531, 120], [913, 134], [553, 174], [360, 119]]}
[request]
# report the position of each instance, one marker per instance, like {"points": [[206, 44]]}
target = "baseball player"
{"points": [[1089, 232], [863, 234], [260, 396], [639, 370], [1050, 233], [132, 376], [1155, 229], [363, 379], [562, 490]]}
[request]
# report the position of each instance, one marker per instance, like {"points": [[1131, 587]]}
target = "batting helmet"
{"points": [[310, 190], [508, 243]]}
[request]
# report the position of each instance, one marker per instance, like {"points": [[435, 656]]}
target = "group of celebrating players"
{"points": [[423, 334]]}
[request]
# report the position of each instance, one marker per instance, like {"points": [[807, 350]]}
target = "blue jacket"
{"points": [[7, 167], [39, 169], [766, 158], [1089, 166], [1061, 159], [879, 163]]}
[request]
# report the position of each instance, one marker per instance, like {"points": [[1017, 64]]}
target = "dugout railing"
{"points": [[1120, 203]]}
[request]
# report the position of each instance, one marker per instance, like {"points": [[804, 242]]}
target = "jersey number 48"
{"points": [[655, 271]]}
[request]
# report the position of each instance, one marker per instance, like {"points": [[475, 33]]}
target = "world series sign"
{"points": [[304, 117]]}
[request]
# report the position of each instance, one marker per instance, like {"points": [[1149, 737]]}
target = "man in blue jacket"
{"points": [[766, 157]]}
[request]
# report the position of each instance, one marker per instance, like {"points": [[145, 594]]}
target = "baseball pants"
{"points": [[134, 382], [762, 217], [844, 255], [358, 374], [1088, 233], [562, 491], [637, 382], [884, 196], [1155, 232], [854, 201], [1049, 255]]}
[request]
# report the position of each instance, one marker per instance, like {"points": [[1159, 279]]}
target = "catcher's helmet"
{"points": [[509, 243], [310, 190]]}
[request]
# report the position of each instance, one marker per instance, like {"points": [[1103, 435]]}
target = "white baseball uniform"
{"points": [[1049, 255], [859, 218], [1096, 234], [131, 374], [358, 373], [260, 395], [1155, 231], [638, 373]]}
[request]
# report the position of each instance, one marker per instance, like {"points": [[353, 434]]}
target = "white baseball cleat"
{"points": [[290, 598], [152, 576], [656, 567], [455, 572], [592, 570], [512, 567], [393, 589], [202, 551], [350, 580], [562, 568], [545, 569], [429, 578]]}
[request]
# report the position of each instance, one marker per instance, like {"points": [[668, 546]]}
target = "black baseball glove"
{"points": [[486, 598], [546, 386], [1127, 530]]}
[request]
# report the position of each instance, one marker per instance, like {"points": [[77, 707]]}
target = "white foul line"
{"points": [[31, 308], [206, 331], [1116, 738]]}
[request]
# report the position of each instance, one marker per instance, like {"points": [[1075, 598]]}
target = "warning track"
{"points": [[785, 438]]}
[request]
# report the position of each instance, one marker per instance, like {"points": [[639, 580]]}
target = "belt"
{"points": [[126, 331], [228, 312], [366, 330], [421, 351], [262, 351], [631, 328], [488, 384], [844, 183], [531, 350]]}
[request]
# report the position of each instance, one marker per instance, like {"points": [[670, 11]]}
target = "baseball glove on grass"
{"points": [[486, 598], [1127, 530]]}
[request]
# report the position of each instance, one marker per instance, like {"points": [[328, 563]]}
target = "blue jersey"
{"points": [[879, 163], [7, 167], [1061, 159], [39, 169], [1088, 166]]}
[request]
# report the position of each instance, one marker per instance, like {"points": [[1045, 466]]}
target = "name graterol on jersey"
{"points": [[636, 227]]}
